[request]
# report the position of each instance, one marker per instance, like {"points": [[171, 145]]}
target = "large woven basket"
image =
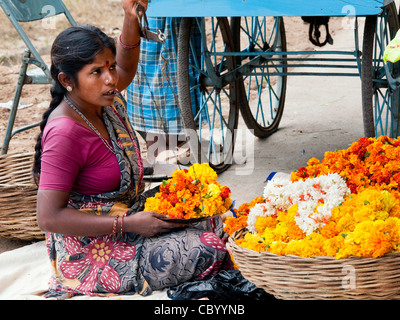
{"points": [[18, 198], [322, 278]]}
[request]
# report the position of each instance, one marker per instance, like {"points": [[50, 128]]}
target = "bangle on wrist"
{"points": [[128, 47], [122, 222], [114, 229]]}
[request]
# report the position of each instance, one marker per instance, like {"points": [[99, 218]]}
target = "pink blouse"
{"points": [[75, 159]]}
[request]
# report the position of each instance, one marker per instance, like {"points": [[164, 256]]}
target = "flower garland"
{"points": [[314, 213], [314, 199], [191, 193]]}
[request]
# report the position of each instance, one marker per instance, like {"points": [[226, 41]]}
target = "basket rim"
{"points": [[18, 185], [17, 154], [236, 236]]}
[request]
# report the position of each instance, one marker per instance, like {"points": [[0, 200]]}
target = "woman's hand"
{"points": [[129, 6], [148, 224]]}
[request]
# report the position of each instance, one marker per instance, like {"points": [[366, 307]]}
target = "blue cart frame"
{"points": [[244, 72]]}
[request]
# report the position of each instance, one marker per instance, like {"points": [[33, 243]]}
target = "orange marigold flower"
{"points": [[329, 230], [233, 224]]}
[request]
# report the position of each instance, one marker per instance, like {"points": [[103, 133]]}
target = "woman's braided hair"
{"points": [[73, 48]]}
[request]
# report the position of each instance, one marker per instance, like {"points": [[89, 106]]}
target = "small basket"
{"points": [[18, 198], [323, 278]]}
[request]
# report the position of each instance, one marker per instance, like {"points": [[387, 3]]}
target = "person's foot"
{"points": [[184, 157]]}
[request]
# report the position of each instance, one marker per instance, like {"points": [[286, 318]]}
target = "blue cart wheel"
{"points": [[381, 102], [208, 101], [263, 78]]}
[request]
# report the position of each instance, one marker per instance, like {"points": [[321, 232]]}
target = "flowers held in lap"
{"points": [[191, 193]]}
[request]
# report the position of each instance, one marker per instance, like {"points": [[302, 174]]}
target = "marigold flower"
{"points": [[233, 224], [265, 222]]}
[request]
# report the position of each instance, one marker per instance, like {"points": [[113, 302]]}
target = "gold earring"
{"points": [[69, 88]]}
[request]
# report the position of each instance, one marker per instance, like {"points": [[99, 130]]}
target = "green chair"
{"points": [[26, 11]]}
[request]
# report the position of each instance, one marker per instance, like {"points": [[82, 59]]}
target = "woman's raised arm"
{"points": [[128, 47]]}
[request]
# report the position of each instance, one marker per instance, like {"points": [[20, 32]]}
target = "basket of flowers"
{"points": [[191, 195], [331, 230], [18, 198]]}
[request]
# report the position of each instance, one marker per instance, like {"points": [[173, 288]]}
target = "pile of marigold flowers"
{"points": [[191, 193], [346, 205], [367, 162]]}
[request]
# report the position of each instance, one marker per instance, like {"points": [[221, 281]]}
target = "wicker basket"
{"points": [[18, 198], [294, 277]]}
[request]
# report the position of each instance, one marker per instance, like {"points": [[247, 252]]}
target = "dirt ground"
{"points": [[105, 14]]}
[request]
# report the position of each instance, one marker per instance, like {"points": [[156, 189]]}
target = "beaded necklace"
{"points": [[109, 147]]}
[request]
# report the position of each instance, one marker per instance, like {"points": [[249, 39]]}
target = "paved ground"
{"points": [[321, 114]]}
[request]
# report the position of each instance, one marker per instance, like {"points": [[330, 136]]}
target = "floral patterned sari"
{"points": [[130, 264]]}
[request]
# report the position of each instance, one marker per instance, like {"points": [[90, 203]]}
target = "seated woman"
{"points": [[89, 172]]}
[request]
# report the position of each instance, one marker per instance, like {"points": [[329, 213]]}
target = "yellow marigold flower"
{"points": [[346, 224], [333, 245], [392, 225], [265, 222], [268, 236], [252, 241], [151, 204], [381, 215], [395, 212], [278, 247], [293, 230], [387, 200], [288, 216], [203, 172], [213, 190], [228, 203], [281, 231]]}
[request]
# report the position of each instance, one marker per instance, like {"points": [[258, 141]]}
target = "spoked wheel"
{"points": [[263, 92], [210, 124], [381, 102]]}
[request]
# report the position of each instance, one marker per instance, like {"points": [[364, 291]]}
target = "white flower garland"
{"points": [[315, 198]]}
